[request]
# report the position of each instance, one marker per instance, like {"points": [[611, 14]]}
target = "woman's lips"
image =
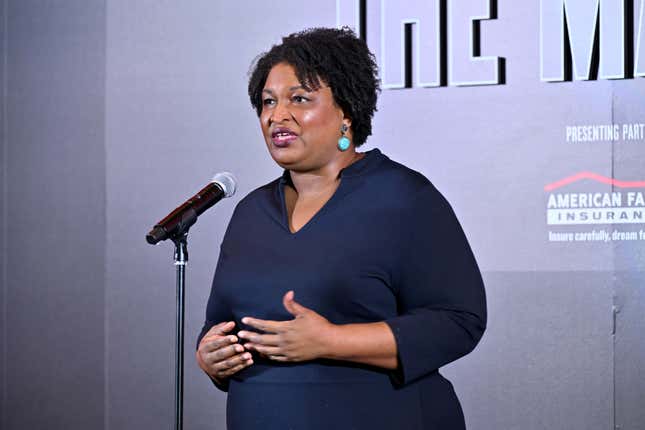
{"points": [[282, 138]]}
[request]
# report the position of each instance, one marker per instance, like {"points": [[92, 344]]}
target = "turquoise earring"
{"points": [[343, 142]]}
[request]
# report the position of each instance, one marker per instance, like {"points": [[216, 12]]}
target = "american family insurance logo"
{"points": [[625, 205]]}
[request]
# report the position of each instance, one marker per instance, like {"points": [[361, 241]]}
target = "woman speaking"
{"points": [[344, 285]]}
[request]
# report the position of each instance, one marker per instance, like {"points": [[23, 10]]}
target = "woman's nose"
{"points": [[280, 112]]}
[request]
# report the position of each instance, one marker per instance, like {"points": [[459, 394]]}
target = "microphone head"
{"points": [[226, 181]]}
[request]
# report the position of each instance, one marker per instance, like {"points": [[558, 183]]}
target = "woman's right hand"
{"points": [[220, 355]]}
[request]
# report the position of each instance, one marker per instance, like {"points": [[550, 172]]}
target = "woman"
{"points": [[343, 286]]}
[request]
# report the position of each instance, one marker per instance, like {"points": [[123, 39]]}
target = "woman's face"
{"points": [[301, 128]]}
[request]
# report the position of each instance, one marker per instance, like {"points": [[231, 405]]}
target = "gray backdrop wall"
{"points": [[115, 111]]}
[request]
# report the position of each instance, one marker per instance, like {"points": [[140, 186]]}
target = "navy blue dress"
{"points": [[386, 247]]}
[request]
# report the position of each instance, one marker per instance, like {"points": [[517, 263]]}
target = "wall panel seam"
{"points": [[5, 211]]}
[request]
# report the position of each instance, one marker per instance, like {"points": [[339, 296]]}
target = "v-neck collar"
{"points": [[354, 171]]}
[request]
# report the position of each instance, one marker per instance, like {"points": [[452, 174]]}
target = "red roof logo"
{"points": [[596, 177]]}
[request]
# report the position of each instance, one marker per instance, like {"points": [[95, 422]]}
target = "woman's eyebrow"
{"points": [[298, 87]]}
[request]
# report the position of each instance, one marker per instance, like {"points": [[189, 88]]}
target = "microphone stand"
{"points": [[181, 259], [175, 227]]}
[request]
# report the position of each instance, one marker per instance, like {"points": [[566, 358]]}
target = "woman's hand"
{"points": [[221, 355], [306, 337]]}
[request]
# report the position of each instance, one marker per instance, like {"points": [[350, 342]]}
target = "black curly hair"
{"points": [[336, 57]]}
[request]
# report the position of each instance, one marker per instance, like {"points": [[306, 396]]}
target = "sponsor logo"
{"points": [[624, 204]]}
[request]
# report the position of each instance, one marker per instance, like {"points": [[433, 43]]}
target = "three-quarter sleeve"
{"points": [[217, 311], [440, 293]]}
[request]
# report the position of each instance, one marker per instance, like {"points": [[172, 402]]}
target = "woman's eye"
{"points": [[267, 102], [300, 99]]}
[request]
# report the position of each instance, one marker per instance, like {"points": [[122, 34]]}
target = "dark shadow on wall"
{"points": [[53, 192]]}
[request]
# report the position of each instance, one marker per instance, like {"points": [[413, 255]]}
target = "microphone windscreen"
{"points": [[226, 181]]}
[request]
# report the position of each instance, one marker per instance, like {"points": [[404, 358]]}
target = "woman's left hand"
{"points": [[306, 337]]}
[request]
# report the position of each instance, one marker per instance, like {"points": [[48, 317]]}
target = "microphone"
{"points": [[182, 218]]}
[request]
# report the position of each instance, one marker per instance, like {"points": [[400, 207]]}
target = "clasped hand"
{"points": [[220, 355], [305, 337]]}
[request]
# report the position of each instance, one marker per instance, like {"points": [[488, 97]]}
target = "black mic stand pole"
{"points": [[175, 227], [181, 259]]}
